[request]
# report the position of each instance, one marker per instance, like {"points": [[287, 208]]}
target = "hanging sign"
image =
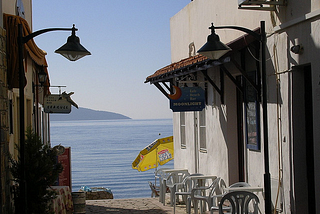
{"points": [[55, 103], [187, 99], [59, 103]]}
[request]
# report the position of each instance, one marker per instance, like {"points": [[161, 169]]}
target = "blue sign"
{"points": [[189, 99]]}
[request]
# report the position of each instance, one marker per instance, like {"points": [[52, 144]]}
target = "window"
{"points": [[252, 114], [29, 112], [183, 130], [10, 117], [202, 130]]}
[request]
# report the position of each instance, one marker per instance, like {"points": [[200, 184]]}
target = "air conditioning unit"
{"points": [[260, 4], [251, 2]]}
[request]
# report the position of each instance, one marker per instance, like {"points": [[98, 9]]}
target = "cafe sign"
{"points": [[56, 103], [187, 99]]}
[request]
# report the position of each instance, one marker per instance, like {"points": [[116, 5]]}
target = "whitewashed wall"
{"points": [[297, 23]]}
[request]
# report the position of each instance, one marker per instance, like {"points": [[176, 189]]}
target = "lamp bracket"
{"points": [[25, 39], [250, 32]]}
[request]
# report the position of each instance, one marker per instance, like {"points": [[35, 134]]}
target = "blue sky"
{"points": [[128, 39]]}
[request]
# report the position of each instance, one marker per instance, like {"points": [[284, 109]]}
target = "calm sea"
{"points": [[102, 152]]}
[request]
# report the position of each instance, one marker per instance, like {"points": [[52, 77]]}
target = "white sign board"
{"points": [[56, 103]]}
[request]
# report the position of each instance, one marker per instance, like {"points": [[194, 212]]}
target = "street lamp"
{"points": [[214, 49], [73, 51], [42, 76]]}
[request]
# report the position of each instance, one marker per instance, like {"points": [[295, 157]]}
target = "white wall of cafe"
{"points": [[289, 26]]}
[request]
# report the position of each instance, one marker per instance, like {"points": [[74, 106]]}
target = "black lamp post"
{"points": [[214, 49], [73, 51]]}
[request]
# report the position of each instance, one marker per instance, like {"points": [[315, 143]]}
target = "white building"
{"points": [[226, 137]]}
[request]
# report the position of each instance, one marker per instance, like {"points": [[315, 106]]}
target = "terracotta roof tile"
{"points": [[182, 63]]}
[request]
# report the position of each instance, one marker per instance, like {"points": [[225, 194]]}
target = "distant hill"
{"points": [[87, 114]]}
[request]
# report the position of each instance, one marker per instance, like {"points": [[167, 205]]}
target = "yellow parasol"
{"points": [[159, 151]]}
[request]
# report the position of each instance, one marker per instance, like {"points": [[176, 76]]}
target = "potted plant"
{"points": [[41, 171]]}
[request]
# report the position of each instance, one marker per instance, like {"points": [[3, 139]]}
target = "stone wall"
{"points": [[5, 201], [98, 195]]}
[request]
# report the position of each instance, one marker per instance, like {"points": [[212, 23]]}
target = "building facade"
{"points": [[15, 12], [226, 138]]}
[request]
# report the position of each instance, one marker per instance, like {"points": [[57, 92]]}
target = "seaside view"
{"points": [[102, 152]]}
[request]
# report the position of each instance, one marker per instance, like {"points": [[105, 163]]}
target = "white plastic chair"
{"points": [[237, 184], [240, 184], [184, 189], [160, 175], [198, 194], [239, 202], [171, 182]]}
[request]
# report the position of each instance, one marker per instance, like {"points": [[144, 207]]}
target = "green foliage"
{"points": [[41, 171]]}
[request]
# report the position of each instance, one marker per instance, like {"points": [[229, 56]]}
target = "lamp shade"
{"points": [[213, 49], [73, 50]]}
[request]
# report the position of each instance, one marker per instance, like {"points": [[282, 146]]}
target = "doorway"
{"points": [[302, 140]]}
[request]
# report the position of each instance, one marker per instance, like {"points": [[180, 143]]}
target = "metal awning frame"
{"points": [[168, 78], [161, 81]]}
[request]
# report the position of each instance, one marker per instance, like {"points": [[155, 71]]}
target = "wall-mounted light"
{"points": [[297, 49], [42, 77], [214, 49]]}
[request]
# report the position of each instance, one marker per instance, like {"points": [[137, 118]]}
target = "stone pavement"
{"points": [[131, 206]]}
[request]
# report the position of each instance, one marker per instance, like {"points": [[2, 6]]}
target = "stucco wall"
{"points": [[297, 23], [9, 6], [192, 22], [305, 32]]}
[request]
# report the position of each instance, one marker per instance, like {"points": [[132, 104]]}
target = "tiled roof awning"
{"points": [[198, 62]]}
